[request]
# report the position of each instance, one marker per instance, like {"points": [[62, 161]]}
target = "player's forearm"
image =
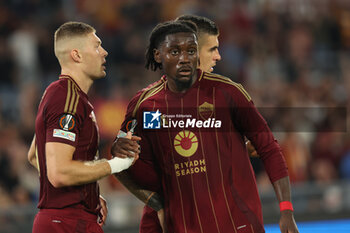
{"points": [[63, 170], [32, 160], [152, 199], [282, 189], [78, 173], [31, 154], [283, 193]]}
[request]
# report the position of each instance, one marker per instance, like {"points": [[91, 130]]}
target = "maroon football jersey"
{"points": [[65, 115], [196, 140]]}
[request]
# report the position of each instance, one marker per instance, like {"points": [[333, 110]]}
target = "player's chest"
{"points": [[179, 127], [89, 129], [194, 111]]}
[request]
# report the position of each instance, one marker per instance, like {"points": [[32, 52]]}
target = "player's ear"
{"points": [[75, 55], [156, 55]]}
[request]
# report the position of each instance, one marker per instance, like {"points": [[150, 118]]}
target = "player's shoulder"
{"points": [[149, 91], [62, 86], [152, 89], [145, 94], [65, 92], [217, 79], [55, 90], [154, 85], [224, 83]]}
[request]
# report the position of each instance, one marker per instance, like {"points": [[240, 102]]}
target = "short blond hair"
{"points": [[71, 30]]}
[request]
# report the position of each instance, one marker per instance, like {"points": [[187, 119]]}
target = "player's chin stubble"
{"points": [[183, 85]]}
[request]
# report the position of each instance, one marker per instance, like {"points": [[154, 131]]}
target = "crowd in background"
{"points": [[293, 57]]}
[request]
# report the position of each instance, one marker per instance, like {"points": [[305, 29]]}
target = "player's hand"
{"points": [[287, 222], [126, 146], [251, 149], [161, 218], [103, 212]]}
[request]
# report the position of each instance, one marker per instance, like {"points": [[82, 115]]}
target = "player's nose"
{"points": [[184, 57], [104, 52], [217, 56]]}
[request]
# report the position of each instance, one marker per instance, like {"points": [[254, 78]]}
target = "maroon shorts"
{"points": [[66, 220]]}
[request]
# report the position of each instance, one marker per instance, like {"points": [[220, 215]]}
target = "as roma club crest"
{"points": [[206, 110], [67, 122]]}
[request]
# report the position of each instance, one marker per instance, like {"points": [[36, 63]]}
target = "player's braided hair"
{"points": [[158, 35], [203, 24]]}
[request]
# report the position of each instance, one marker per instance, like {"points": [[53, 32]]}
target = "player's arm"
{"points": [[283, 194], [127, 178], [62, 170], [254, 126], [251, 149], [150, 198], [128, 146], [251, 124], [124, 147], [31, 155]]}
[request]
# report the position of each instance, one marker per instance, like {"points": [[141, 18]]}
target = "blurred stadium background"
{"points": [[293, 57]]}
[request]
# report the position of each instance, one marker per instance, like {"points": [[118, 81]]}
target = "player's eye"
{"points": [[192, 51], [174, 52], [214, 49]]}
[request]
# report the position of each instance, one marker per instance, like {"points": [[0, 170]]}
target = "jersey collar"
{"points": [[69, 77]]}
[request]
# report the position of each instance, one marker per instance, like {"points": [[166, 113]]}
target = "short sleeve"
{"points": [[62, 116]]}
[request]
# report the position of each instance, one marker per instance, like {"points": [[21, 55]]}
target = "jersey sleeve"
{"points": [[62, 116], [143, 171], [250, 123]]}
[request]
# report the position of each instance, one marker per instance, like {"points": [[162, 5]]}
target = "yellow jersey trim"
{"points": [[72, 98], [219, 78], [147, 94]]}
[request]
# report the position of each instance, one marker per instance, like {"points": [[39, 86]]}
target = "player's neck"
{"points": [[82, 80]]}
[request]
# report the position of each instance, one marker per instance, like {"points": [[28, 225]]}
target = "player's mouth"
{"points": [[104, 65], [185, 71], [212, 68]]}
